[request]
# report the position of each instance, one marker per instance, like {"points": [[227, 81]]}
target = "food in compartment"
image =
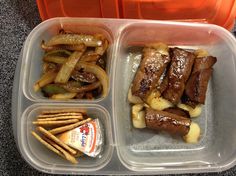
{"points": [[166, 121], [169, 89], [74, 67], [193, 134], [178, 111], [159, 103], [138, 116], [155, 60], [193, 111], [178, 74], [196, 87], [70, 134], [58, 150]]}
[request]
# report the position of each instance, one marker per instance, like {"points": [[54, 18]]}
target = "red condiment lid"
{"points": [[217, 12]]}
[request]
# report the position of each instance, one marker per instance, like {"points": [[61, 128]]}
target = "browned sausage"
{"points": [[152, 66], [186, 100], [178, 111], [196, 87], [178, 74], [202, 63], [163, 84], [168, 122]]}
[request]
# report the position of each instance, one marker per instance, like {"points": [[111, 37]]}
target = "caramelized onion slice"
{"points": [[74, 39], [67, 67], [98, 72], [79, 89]]}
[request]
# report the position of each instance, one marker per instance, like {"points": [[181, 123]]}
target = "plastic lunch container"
{"points": [[128, 150]]}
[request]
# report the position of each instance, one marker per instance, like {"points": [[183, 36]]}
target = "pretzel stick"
{"points": [[50, 123], [55, 139], [66, 155], [59, 115], [69, 127], [61, 118]]}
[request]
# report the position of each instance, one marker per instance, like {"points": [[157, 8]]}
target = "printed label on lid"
{"points": [[86, 138]]}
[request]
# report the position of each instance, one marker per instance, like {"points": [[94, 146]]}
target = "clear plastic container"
{"points": [[133, 151]]}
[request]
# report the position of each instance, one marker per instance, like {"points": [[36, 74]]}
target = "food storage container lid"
{"points": [[217, 12]]}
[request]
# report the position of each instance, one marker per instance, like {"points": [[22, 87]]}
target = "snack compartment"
{"points": [[41, 158], [146, 150], [33, 53]]}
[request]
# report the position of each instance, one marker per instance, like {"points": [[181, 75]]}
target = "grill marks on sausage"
{"points": [[149, 72], [185, 76], [178, 73]]}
